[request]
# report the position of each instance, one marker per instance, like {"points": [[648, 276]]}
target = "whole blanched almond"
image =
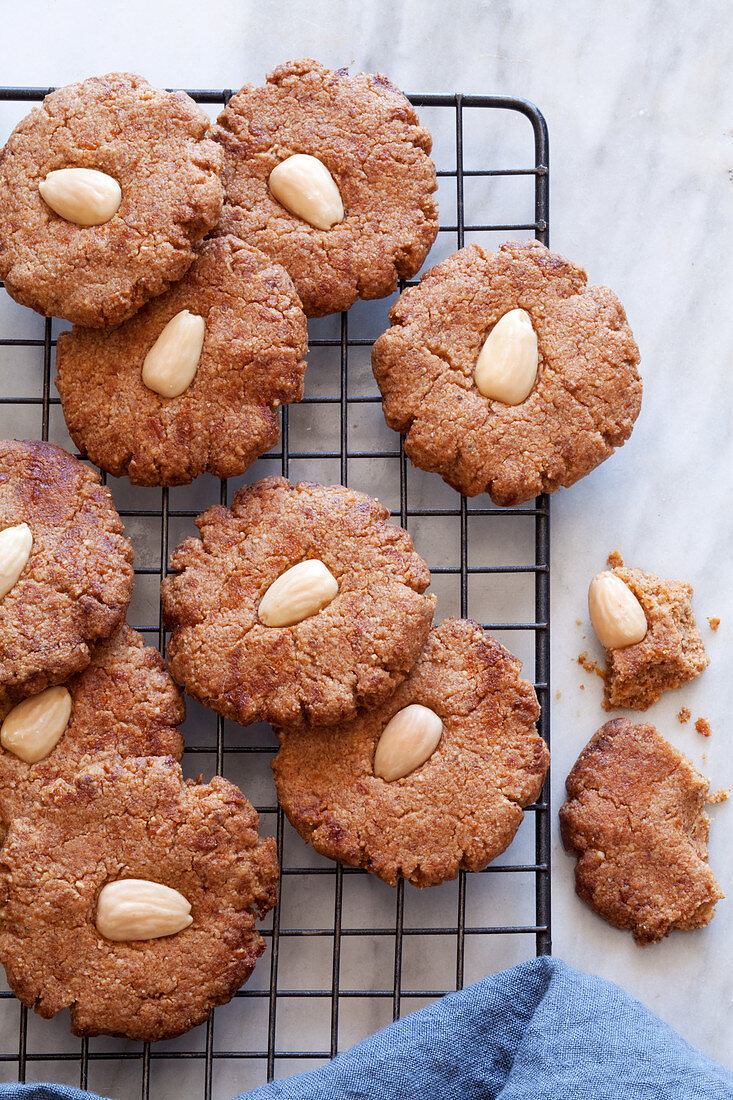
{"points": [[408, 740], [33, 728], [16, 544], [506, 368], [300, 592], [615, 613], [172, 362], [306, 188], [81, 195], [138, 909]]}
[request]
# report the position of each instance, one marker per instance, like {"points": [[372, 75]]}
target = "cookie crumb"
{"points": [[703, 727], [558, 694], [684, 715], [582, 687], [590, 665], [578, 622], [714, 622], [614, 560], [721, 795]]}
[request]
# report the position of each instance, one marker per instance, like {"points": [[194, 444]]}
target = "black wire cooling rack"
{"points": [[345, 954]]}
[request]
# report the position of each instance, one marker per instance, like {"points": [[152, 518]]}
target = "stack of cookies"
{"points": [[188, 258]]}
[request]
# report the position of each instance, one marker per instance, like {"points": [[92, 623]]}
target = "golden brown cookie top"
{"points": [[251, 361], [133, 820], [76, 584], [458, 809], [635, 818], [367, 135], [352, 652], [585, 398], [124, 703], [669, 655], [156, 145]]}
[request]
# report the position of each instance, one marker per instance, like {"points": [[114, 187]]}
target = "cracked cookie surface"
{"points": [[635, 817], [352, 653], [157, 146], [585, 398], [124, 703], [669, 655], [252, 361], [77, 583], [366, 133], [136, 819], [462, 807]]}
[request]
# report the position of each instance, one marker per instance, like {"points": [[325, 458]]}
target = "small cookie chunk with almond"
{"points": [[65, 567], [647, 627], [635, 817], [124, 703], [193, 382], [432, 781], [130, 897], [296, 606]]}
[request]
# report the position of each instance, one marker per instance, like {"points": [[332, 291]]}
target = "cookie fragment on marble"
{"points": [[635, 818], [670, 654]]}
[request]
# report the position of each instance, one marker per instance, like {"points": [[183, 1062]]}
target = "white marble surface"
{"points": [[638, 102]]}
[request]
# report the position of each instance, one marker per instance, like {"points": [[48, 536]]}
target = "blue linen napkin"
{"points": [[540, 1031]]}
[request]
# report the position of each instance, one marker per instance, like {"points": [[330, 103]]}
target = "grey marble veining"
{"points": [[638, 100]]}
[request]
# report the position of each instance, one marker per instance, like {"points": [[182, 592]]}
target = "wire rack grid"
{"points": [[345, 953]]}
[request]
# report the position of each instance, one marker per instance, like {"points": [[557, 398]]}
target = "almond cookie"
{"points": [[635, 817], [65, 566], [163, 424], [136, 961], [513, 407], [423, 792], [356, 212], [123, 704], [149, 182], [666, 652], [296, 606]]}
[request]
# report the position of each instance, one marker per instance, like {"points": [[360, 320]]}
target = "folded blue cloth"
{"points": [[540, 1031]]}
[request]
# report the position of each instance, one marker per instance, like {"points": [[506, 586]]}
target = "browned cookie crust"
{"points": [[76, 586], [123, 704], [156, 145], [671, 652], [251, 362], [462, 807], [352, 653], [368, 136], [583, 404], [137, 820], [635, 817]]}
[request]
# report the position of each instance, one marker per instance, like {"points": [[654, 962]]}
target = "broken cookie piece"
{"points": [[668, 654], [635, 817]]}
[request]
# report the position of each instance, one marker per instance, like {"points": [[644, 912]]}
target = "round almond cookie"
{"points": [[431, 782], [104, 189], [355, 211], [65, 566], [507, 373], [164, 407], [296, 606], [130, 897], [124, 703]]}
